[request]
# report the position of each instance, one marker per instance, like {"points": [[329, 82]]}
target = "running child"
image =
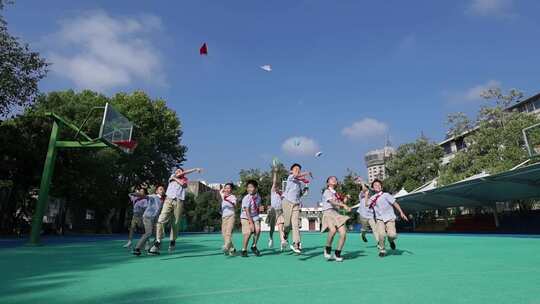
{"points": [[332, 221], [365, 215], [291, 205], [172, 208], [251, 223], [275, 214], [139, 201], [151, 212], [228, 205], [383, 205]]}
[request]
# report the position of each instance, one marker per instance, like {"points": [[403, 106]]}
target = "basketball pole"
{"points": [[48, 169]]}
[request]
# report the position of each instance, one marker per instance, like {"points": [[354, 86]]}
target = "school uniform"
{"points": [[275, 214], [228, 204], [331, 219], [366, 216], [252, 202], [383, 209], [152, 210], [172, 209], [291, 207], [139, 204]]}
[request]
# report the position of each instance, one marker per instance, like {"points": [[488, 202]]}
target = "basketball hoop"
{"points": [[127, 146]]}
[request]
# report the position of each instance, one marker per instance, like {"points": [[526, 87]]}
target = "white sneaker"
{"points": [[338, 259], [296, 250], [270, 243], [128, 244], [328, 256], [283, 246]]}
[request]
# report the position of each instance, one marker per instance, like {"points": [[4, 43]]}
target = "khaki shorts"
{"points": [[275, 217], [246, 229], [366, 223], [332, 219]]}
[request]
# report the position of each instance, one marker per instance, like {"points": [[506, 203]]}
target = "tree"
{"points": [[413, 165], [20, 70], [95, 179], [458, 124], [497, 143], [204, 212]]}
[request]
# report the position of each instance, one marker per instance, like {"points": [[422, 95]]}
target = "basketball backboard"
{"points": [[116, 130], [531, 136]]}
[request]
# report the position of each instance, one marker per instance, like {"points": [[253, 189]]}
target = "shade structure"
{"points": [[484, 190]]}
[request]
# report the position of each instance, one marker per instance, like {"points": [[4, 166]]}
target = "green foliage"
{"points": [[413, 165], [203, 211], [496, 146], [99, 179], [20, 70]]}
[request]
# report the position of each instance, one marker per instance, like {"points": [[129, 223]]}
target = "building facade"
{"points": [[375, 162], [310, 219]]}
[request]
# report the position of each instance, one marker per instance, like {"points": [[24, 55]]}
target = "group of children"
{"points": [[375, 210]]}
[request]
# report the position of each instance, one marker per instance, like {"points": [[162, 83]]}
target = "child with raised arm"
{"points": [[151, 212], [291, 205], [172, 208], [383, 205], [332, 221], [365, 214], [275, 213], [228, 205], [251, 223], [139, 201]]}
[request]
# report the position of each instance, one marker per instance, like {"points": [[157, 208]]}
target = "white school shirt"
{"points": [[252, 202], [175, 190], [153, 207], [384, 209], [328, 195], [275, 200], [364, 210], [139, 204], [227, 205], [293, 190]]}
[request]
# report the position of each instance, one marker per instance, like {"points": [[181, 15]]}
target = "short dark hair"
{"points": [[376, 181], [144, 190], [253, 183], [229, 184], [296, 165], [328, 178]]}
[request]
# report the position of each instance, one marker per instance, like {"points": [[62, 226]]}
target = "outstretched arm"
{"points": [[401, 213], [274, 180], [189, 171]]}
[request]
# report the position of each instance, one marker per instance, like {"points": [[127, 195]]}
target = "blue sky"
{"points": [[345, 73]]}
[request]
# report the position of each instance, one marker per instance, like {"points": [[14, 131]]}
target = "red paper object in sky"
{"points": [[204, 49]]}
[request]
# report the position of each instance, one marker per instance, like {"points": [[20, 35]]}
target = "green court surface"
{"points": [[424, 269]]}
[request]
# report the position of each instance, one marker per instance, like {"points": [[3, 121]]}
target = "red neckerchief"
{"points": [[374, 200], [339, 196], [303, 180], [254, 203], [228, 201]]}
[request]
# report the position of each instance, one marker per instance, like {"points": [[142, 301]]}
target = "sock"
{"points": [[338, 253], [328, 249]]}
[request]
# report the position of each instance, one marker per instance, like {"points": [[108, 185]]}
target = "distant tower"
{"points": [[376, 159]]}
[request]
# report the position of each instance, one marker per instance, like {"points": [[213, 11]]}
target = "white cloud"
{"points": [[365, 128], [107, 52], [499, 8], [473, 93], [300, 146]]}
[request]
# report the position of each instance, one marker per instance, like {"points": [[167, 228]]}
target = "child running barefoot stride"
{"points": [[332, 220], [383, 205], [291, 205], [172, 208], [139, 200], [275, 214], [251, 223], [228, 204]]}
